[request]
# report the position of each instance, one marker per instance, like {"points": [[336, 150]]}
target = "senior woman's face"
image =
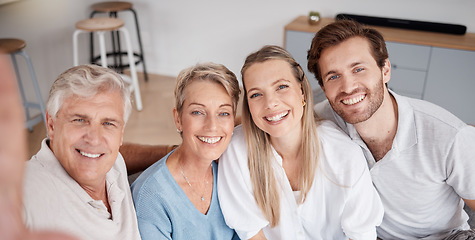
{"points": [[207, 119], [275, 97]]}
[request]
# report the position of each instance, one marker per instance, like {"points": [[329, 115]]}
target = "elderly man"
{"points": [[420, 156], [77, 182]]}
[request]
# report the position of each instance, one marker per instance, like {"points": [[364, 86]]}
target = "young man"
{"points": [[77, 182], [420, 156]]}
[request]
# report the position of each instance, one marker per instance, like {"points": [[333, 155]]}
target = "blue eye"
{"points": [[79, 120], [109, 124], [255, 95], [282, 86], [359, 69], [224, 114], [333, 77], [195, 112]]}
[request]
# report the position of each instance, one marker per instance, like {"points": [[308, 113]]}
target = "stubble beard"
{"points": [[375, 96]]}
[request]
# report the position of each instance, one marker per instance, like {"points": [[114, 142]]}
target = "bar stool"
{"points": [[14, 47], [112, 8], [100, 26]]}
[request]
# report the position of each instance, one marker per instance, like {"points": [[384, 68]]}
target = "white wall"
{"points": [[177, 34]]}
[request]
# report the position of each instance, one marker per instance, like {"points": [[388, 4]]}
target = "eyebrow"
{"points": [[111, 120], [78, 115], [107, 119], [202, 105]]}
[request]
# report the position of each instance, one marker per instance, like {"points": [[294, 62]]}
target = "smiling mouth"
{"points": [[210, 140], [277, 117], [355, 100], [89, 155]]}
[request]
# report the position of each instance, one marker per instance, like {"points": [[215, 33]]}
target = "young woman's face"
{"points": [[275, 97], [207, 119]]}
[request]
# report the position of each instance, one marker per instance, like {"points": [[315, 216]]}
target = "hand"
{"points": [[12, 160]]}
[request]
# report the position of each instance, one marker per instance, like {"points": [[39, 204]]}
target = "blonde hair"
{"points": [[207, 72], [265, 187]]}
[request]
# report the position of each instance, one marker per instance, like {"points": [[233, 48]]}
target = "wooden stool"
{"points": [[14, 47], [112, 8], [100, 26]]}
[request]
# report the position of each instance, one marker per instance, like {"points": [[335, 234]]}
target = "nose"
{"points": [[271, 101], [93, 134], [211, 122], [348, 84]]}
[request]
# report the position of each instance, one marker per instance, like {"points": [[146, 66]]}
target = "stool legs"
{"points": [[133, 71], [134, 83], [30, 122], [141, 55], [140, 43]]}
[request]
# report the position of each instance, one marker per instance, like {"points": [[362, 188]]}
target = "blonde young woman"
{"points": [[286, 175], [176, 197]]}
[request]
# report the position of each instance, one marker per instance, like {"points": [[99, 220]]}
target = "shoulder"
{"points": [[341, 159], [151, 181], [333, 137], [43, 191], [324, 110], [237, 148], [39, 175], [238, 135], [431, 114]]}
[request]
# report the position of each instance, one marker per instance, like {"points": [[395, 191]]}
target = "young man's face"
{"points": [[352, 80], [86, 135]]}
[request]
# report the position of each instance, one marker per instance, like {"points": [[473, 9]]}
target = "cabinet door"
{"points": [[298, 43], [451, 82], [409, 65], [407, 82]]}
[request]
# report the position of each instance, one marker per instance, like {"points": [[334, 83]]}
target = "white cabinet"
{"points": [[298, 43], [442, 76], [451, 82], [409, 65]]}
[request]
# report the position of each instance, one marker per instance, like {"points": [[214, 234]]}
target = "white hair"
{"points": [[87, 81]]}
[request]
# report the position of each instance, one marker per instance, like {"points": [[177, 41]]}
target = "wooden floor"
{"points": [[153, 125]]}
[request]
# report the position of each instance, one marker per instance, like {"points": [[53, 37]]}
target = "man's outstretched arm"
{"points": [[12, 160]]}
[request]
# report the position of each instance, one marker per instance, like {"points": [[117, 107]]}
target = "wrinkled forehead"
{"points": [[105, 103]]}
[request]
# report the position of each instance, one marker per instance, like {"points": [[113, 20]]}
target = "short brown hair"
{"points": [[336, 33]]}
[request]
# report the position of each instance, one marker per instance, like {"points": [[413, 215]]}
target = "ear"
{"points": [[386, 71], [176, 116], [122, 136], [50, 122]]}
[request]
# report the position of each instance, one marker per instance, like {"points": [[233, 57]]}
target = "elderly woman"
{"points": [[286, 175], [177, 196]]}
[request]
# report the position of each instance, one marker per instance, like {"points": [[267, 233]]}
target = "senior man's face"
{"points": [[86, 135]]}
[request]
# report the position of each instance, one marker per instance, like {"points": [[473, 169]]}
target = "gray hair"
{"points": [[86, 81]]}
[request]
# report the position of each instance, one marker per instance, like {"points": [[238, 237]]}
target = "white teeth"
{"points": [[210, 140], [277, 117], [90, 155], [355, 100]]}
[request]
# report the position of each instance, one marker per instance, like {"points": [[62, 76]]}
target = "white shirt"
{"points": [[54, 201], [429, 168], [341, 204]]}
